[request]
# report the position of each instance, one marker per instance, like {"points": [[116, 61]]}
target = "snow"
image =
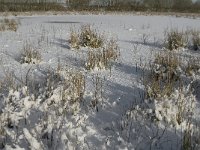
{"points": [[34, 144], [53, 118]]}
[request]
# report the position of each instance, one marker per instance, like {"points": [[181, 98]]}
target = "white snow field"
{"points": [[112, 112]]}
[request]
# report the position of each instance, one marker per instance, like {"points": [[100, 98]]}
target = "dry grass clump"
{"points": [[74, 87], [74, 39], [9, 24], [100, 53], [196, 40], [193, 67], [187, 138], [102, 58], [172, 98], [164, 76], [175, 40], [88, 37], [30, 55], [98, 92]]}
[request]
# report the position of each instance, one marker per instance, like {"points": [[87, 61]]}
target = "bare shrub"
{"points": [[9, 24], [30, 55], [175, 40]]}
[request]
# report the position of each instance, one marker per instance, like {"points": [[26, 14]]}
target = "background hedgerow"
{"points": [[33, 5]]}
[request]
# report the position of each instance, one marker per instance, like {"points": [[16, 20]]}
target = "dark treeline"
{"points": [[136, 5], [100, 5], [31, 5]]}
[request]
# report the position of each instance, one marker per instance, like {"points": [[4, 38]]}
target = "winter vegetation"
{"points": [[99, 82], [100, 5], [9, 24]]}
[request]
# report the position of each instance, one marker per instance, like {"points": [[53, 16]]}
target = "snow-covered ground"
{"points": [[121, 119]]}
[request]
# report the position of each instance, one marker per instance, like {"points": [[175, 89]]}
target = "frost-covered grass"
{"points": [[30, 55], [196, 40], [9, 24], [102, 58], [175, 40], [87, 37], [53, 96]]}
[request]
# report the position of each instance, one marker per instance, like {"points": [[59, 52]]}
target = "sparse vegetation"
{"points": [[9, 24], [100, 53], [97, 98], [196, 40], [69, 99], [175, 40], [74, 87], [88, 37], [103, 57], [30, 55], [165, 75], [193, 67], [74, 39]]}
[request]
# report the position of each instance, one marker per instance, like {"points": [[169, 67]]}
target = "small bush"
{"points": [[9, 24], [175, 40], [30, 55]]}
